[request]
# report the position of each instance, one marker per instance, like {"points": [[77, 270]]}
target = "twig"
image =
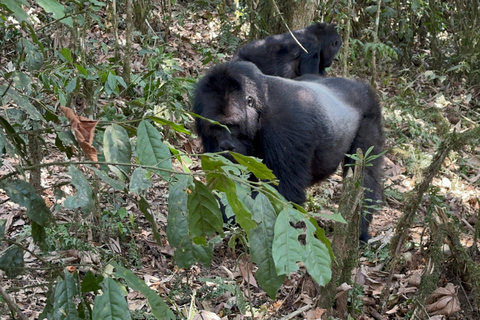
{"points": [[286, 25], [13, 307], [297, 312]]}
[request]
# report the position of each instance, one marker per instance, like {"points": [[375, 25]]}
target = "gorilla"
{"points": [[280, 55], [301, 128]]}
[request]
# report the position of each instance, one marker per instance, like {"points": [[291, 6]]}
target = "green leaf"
{"points": [[115, 184], [64, 302], [83, 198], [159, 308], [22, 103], [34, 57], [16, 7], [82, 70], [112, 304], [12, 262], [145, 209], [205, 217], [223, 183], [112, 81], [121, 81], [255, 166], [3, 222], [316, 257], [186, 252], [151, 150], [71, 85], [15, 139], [261, 241], [177, 127], [67, 54], [287, 250], [91, 282], [58, 10], [140, 181], [117, 149], [22, 193]]}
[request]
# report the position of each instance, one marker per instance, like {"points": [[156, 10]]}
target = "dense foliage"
{"points": [[96, 127]]}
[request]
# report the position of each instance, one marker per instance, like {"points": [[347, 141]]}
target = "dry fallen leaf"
{"points": [[443, 301], [84, 130], [206, 315]]}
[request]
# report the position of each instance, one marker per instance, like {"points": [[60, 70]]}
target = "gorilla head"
{"points": [[281, 55], [301, 128]]}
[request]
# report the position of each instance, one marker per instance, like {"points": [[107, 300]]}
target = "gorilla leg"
{"points": [[370, 133]]}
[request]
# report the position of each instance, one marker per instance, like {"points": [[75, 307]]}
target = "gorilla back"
{"points": [[281, 55], [301, 128]]}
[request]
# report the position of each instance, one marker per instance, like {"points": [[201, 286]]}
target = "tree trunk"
{"points": [[273, 16]]}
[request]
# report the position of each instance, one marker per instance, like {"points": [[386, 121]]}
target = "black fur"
{"points": [[280, 55], [301, 128]]}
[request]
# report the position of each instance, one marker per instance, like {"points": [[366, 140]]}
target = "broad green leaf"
{"points": [[224, 184], [242, 215], [22, 103], [320, 233], [151, 150], [67, 54], [65, 294], [117, 149], [177, 127], [205, 217], [287, 250], [140, 181], [71, 85], [159, 308], [145, 209], [184, 159], [213, 162], [12, 262], [15, 139], [316, 257], [16, 7], [111, 81], [115, 184], [121, 81], [186, 252], [255, 166], [39, 234], [33, 56], [58, 10], [82, 70], [261, 241], [83, 197], [22, 193], [112, 304], [91, 282]]}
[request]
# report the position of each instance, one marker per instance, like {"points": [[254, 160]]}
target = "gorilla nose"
{"points": [[227, 146]]}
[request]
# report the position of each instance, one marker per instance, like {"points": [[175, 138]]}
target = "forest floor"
{"points": [[298, 295]]}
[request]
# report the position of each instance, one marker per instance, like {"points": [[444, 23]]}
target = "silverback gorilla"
{"points": [[280, 55], [301, 128]]}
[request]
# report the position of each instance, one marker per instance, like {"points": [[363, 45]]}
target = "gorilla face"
{"points": [[237, 130], [235, 106]]}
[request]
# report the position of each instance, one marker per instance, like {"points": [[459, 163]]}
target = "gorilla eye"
{"points": [[249, 101], [335, 43]]}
